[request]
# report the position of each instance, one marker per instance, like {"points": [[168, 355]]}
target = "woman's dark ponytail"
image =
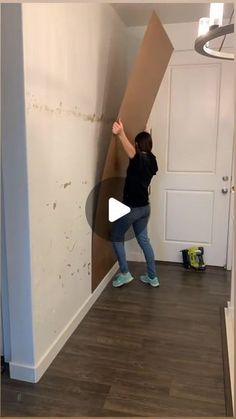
{"points": [[143, 142]]}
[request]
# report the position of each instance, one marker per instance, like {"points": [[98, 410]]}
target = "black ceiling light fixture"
{"points": [[211, 28]]}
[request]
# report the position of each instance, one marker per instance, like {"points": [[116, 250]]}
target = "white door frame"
{"points": [[231, 216]]}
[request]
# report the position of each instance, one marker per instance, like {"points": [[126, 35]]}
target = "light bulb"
{"points": [[203, 26], [216, 14]]}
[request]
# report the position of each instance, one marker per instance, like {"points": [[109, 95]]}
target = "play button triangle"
{"points": [[116, 209]]}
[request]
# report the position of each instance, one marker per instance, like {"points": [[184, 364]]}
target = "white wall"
{"points": [[16, 189], [74, 78], [1, 326]]}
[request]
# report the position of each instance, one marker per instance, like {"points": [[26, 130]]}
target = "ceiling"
{"points": [[138, 14]]}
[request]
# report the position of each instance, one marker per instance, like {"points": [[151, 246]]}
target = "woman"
{"points": [[142, 167]]}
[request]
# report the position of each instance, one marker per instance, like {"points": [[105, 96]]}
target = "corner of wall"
{"points": [[33, 373]]}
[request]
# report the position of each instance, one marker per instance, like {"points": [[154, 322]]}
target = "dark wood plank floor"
{"points": [[140, 351]]}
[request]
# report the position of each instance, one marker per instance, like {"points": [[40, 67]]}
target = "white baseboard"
{"points": [[33, 373], [229, 321], [22, 372]]}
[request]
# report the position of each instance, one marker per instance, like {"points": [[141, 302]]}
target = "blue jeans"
{"points": [[138, 218]]}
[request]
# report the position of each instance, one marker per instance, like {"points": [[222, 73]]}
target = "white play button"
{"points": [[116, 209]]}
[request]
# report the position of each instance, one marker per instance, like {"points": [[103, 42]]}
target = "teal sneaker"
{"points": [[122, 279], [154, 282]]}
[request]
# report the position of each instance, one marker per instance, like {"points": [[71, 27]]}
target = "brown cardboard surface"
{"points": [[143, 85]]}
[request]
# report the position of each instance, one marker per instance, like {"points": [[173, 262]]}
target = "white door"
{"points": [[192, 125]]}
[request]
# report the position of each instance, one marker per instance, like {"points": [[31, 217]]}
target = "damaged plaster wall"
{"points": [[74, 79]]}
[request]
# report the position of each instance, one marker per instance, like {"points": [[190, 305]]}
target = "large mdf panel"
{"points": [[142, 88]]}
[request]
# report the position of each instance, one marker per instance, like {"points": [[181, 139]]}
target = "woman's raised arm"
{"points": [[118, 130]]}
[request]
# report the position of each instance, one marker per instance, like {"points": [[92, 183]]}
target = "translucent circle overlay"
{"points": [[97, 206]]}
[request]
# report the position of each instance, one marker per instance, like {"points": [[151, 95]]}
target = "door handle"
{"points": [[224, 190]]}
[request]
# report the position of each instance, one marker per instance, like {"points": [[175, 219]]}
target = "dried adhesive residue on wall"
{"points": [[65, 185], [33, 105]]}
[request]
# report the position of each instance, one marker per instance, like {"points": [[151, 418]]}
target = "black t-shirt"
{"points": [[140, 171]]}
